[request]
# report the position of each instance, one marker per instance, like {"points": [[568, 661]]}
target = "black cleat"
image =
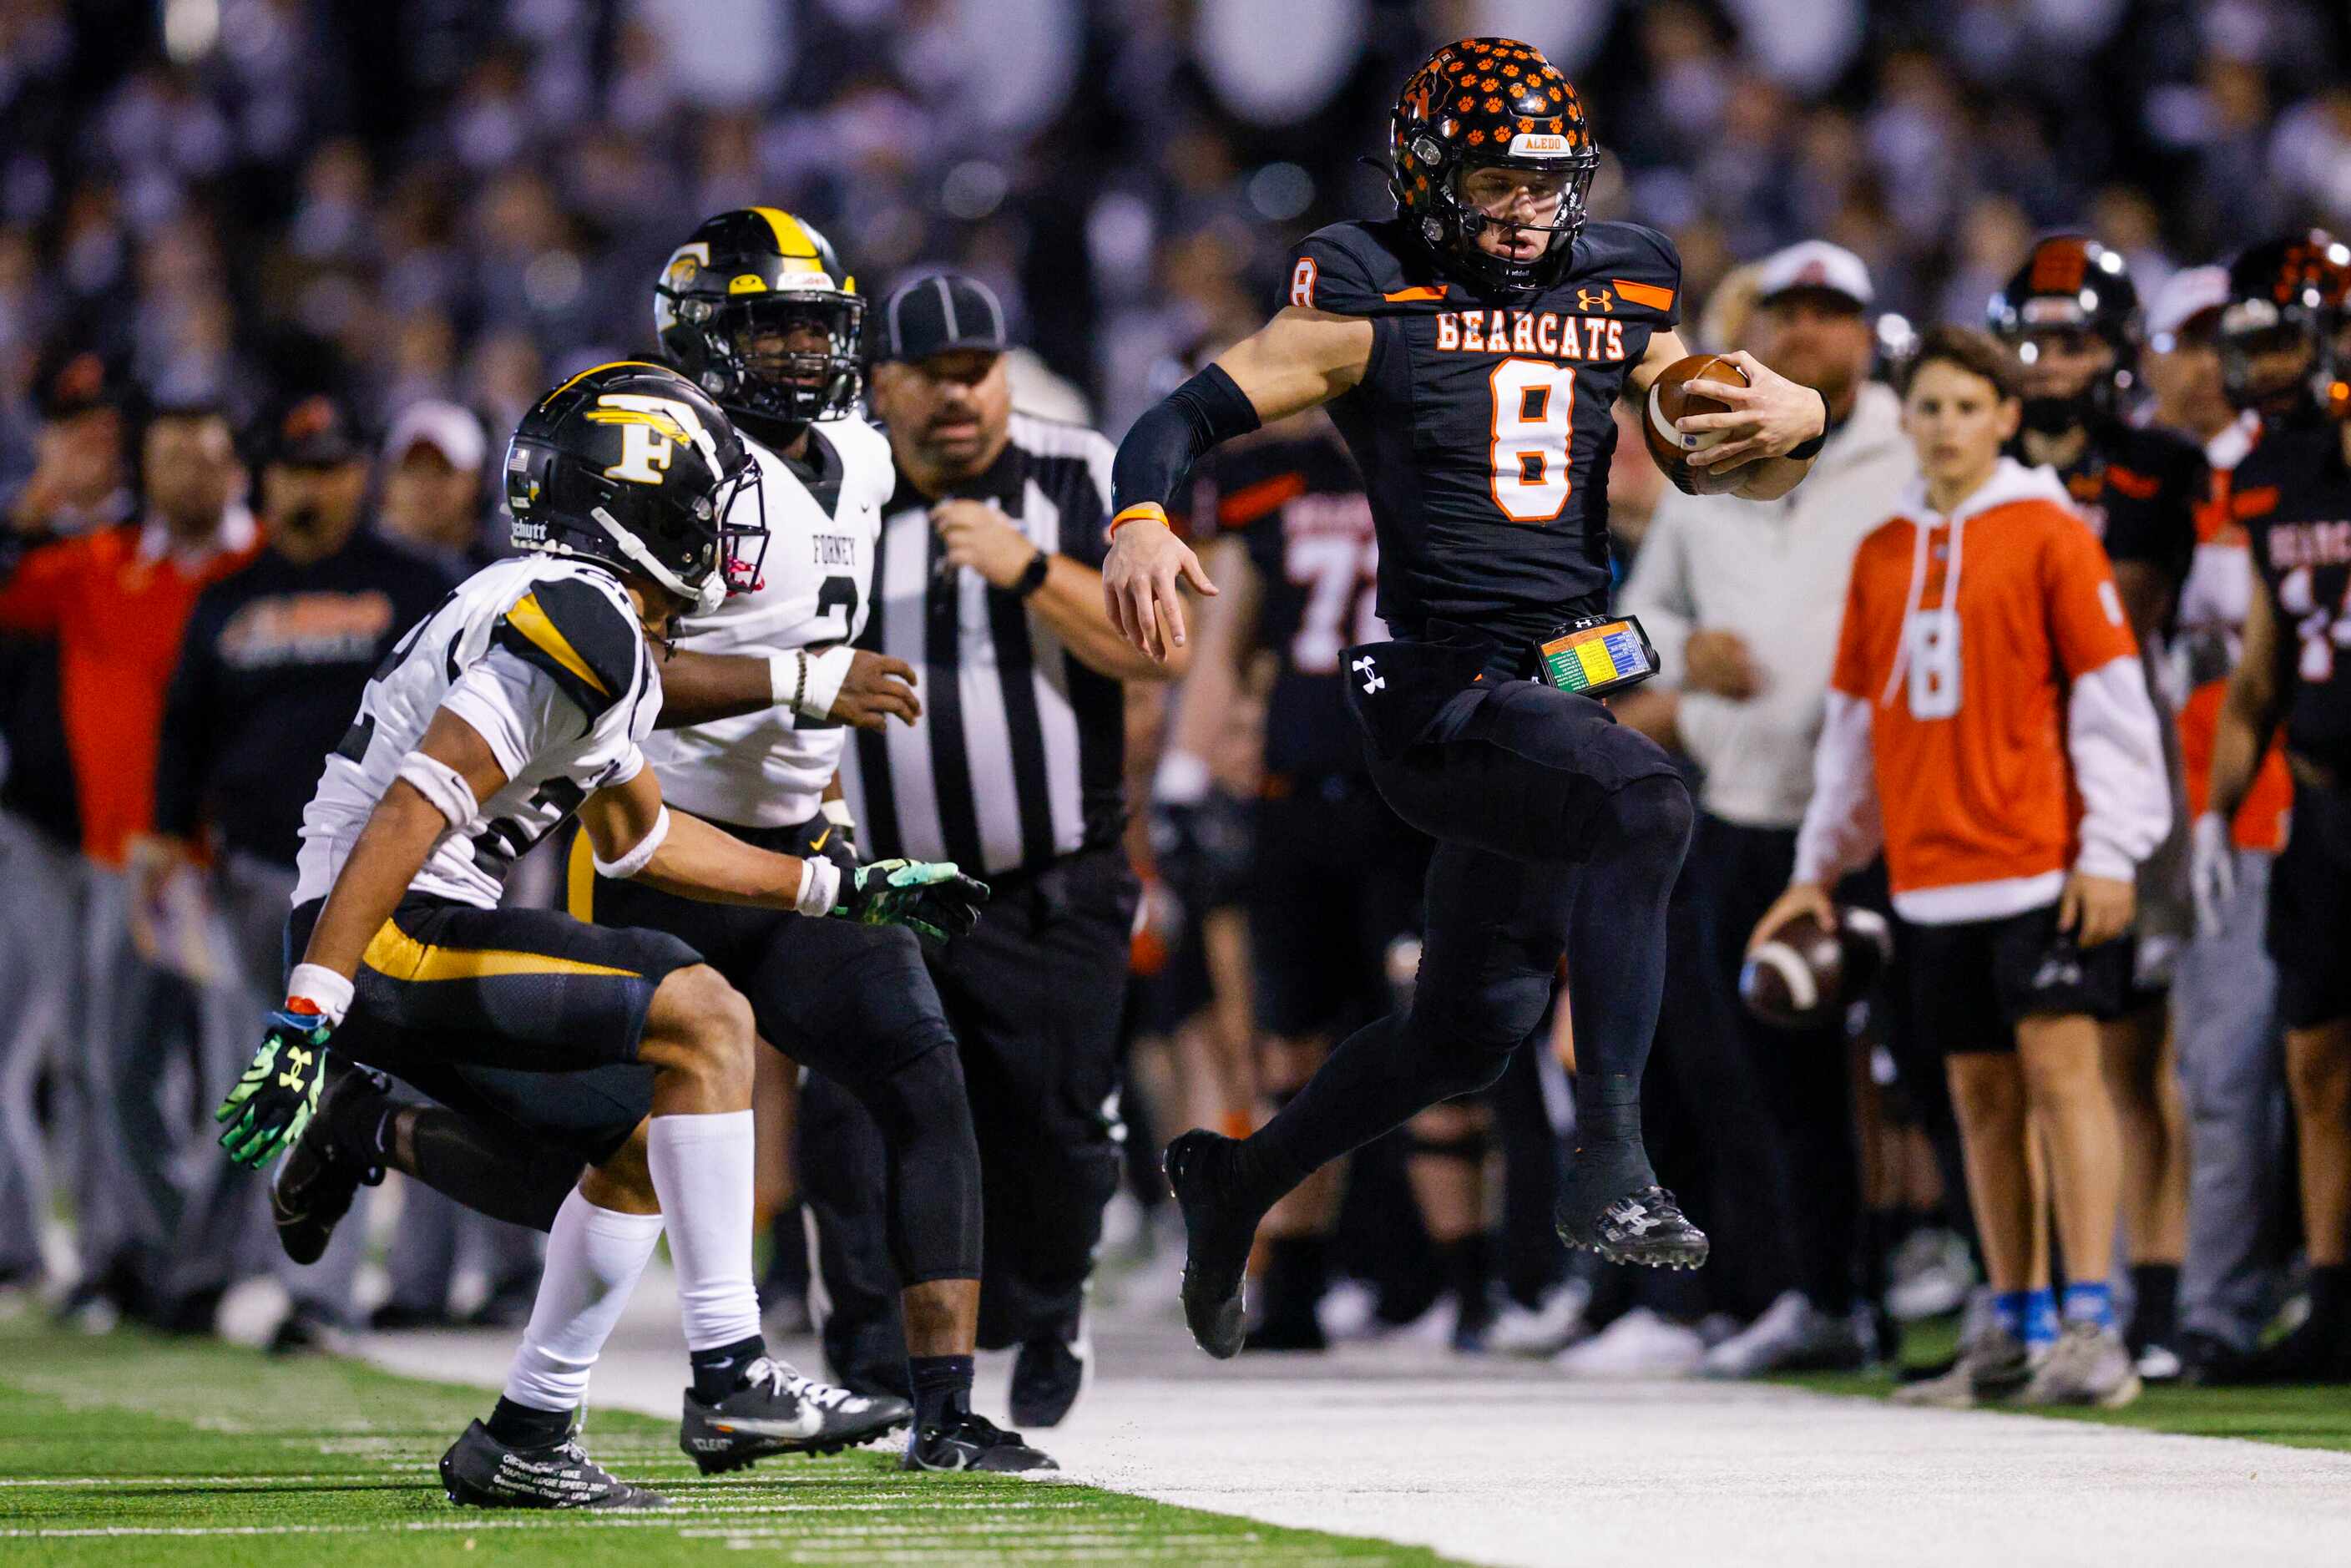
{"points": [[969, 1442], [1645, 1227], [320, 1175], [1216, 1239], [2318, 1351], [1047, 1375], [775, 1410], [479, 1471]]}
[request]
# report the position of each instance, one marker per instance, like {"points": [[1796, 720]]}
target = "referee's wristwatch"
{"points": [[1033, 576]]}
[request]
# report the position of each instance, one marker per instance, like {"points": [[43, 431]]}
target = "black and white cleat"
{"points": [[1646, 1227], [776, 1410]]}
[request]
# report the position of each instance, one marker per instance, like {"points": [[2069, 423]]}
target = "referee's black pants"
{"points": [[1034, 996]]}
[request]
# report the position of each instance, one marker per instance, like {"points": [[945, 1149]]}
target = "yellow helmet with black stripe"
{"points": [[755, 309]]}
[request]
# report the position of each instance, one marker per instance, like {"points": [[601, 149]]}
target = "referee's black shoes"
{"points": [[324, 1170], [1049, 1374], [1218, 1232]]}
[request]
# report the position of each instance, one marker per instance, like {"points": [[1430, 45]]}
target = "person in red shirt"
{"points": [[1989, 725], [114, 602]]}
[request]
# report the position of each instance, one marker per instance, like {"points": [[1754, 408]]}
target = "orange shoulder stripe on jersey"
{"points": [[2138, 487], [1250, 502], [1648, 294], [2257, 503], [1417, 291]]}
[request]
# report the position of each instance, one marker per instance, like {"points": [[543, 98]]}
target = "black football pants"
{"points": [[1559, 833], [1034, 996]]}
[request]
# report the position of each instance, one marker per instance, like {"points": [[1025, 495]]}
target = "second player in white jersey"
{"points": [[769, 769], [542, 656]]}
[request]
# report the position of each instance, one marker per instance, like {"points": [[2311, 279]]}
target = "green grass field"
{"points": [[135, 1449], [2298, 1418]]}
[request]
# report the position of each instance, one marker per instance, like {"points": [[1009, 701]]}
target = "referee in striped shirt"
{"points": [[987, 582]]}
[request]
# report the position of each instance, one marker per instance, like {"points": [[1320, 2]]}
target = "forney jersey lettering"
{"points": [[2295, 494], [544, 658], [1483, 429], [2207, 639], [1967, 712], [1300, 507], [768, 769]]}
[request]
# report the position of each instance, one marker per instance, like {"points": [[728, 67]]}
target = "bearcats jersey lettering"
{"points": [[2293, 493], [768, 769], [1968, 713], [541, 655], [1484, 430], [1299, 508]]}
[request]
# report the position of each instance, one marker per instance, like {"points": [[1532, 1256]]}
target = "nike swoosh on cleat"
{"points": [[800, 1427]]}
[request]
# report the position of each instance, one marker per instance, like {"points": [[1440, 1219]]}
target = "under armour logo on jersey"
{"points": [[1373, 679], [1594, 300]]}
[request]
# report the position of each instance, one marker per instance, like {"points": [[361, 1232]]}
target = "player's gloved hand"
{"points": [[932, 896], [2211, 871], [279, 1092]]}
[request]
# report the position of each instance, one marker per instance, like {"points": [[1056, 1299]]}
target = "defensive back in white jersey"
{"points": [[544, 658], [768, 769]]}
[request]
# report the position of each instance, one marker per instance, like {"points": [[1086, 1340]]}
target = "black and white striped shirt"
{"points": [[1017, 758]]}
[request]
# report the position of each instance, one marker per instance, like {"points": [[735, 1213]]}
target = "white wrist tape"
{"points": [[637, 859], [820, 886], [443, 784], [323, 987], [826, 672], [837, 813]]}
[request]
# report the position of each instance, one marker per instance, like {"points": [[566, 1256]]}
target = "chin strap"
{"points": [[705, 599]]}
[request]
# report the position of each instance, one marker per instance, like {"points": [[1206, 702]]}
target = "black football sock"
{"points": [[2155, 1297], [1297, 1273], [941, 1387], [1466, 1265], [525, 1427], [2330, 1294], [1617, 952], [719, 1371]]}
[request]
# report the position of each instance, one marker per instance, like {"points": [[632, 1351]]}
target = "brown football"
{"points": [[1805, 977], [1670, 399]]}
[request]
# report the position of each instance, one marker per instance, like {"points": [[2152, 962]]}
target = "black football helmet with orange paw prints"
{"points": [[1485, 103], [2287, 294]]}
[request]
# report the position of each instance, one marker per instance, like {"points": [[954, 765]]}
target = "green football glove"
{"points": [[932, 896], [279, 1092]]}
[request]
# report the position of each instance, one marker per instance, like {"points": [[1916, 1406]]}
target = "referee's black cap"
{"points": [[941, 314]]}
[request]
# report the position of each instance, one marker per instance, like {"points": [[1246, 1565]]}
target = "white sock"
{"points": [[703, 1168], [593, 1258]]}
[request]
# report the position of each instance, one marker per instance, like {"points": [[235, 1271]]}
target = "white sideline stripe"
{"points": [[669, 1518]]}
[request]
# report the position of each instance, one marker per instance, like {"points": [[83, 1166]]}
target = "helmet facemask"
{"points": [[791, 384], [2254, 329], [1562, 183]]}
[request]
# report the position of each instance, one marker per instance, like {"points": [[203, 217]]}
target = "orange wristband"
{"points": [[1140, 510]]}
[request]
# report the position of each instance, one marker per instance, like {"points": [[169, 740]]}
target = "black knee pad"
{"points": [[934, 1217], [1654, 812], [1461, 1050]]}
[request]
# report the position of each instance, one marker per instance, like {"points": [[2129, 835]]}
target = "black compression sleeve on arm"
{"points": [[1172, 433]]}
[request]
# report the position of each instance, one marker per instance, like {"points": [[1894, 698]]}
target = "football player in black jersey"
{"points": [[2071, 314], [2284, 348], [1470, 349]]}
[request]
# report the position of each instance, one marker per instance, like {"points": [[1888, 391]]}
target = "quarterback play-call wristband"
{"points": [[1597, 654]]}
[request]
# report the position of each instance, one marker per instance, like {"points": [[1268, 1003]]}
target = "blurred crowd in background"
{"points": [[428, 211]]}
